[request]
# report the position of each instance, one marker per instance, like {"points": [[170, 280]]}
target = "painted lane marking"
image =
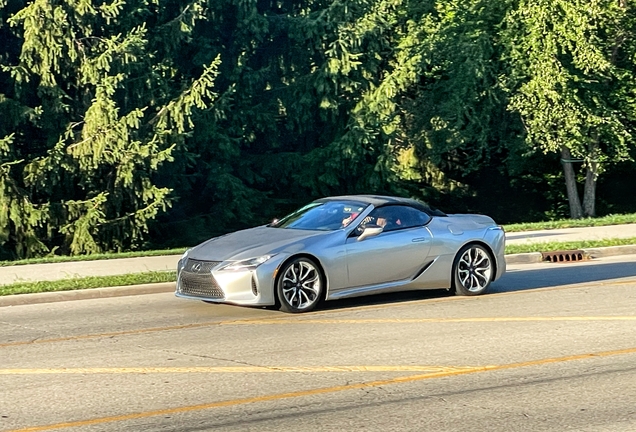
{"points": [[287, 321], [324, 390], [434, 320], [126, 332], [318, 313], [230, 369]]}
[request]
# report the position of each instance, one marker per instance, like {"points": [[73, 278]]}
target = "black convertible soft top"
{"points": [[381, 200]]}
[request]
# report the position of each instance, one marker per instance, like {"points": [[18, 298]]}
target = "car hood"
{"points": [[471, 218], [253, 242], [458, 223]]}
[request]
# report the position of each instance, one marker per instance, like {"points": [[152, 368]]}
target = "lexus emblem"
{"points": [[196, 267]]}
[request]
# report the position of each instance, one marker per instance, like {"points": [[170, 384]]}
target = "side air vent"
{"points": [[254, 286]]}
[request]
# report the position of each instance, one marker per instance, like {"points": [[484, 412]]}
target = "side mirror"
{"points": [[370, 231]]}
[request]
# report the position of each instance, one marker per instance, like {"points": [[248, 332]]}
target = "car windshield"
{"points": [[324, 216]]}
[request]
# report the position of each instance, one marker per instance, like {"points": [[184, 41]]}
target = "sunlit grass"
{"points": [[573, 245], [573, 223], [87, 282]]}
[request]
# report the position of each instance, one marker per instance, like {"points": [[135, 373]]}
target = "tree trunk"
{"points": [[576, 212], [591, 174]]}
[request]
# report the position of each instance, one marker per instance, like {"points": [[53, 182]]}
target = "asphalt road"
{"points": [[553, 348]]}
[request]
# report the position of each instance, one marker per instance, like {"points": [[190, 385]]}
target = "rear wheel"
{"points": [[472, 271], [300, 286]]}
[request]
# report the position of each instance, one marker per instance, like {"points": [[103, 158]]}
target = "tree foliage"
{"points": [[573, 83], [129, 124], [94, 105]]}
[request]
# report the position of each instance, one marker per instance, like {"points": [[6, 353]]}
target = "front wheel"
{"points": [[472, 270], [300, 286]]}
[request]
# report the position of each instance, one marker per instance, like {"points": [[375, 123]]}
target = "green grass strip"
{"points": [[554, 246], [573, 223], [93, 257], [87, 282]]}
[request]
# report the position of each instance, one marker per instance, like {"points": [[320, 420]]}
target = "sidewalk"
{"points": [[67, 270], [55, 271], [572, 234]]}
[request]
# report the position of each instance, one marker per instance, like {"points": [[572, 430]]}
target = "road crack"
{"points": [[209, 357]]}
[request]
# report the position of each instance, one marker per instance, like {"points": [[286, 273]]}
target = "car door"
{"points": [[398, 253]]}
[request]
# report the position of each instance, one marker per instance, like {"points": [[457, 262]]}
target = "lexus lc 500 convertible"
{"points": [[345, 246]]}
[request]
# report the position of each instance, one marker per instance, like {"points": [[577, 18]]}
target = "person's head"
{"points": [[346, 221]]}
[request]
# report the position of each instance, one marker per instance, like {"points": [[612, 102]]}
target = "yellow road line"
{"points": [[309, 320], [126, 332], [229, 369], [319, 313], [435, 320], [324, 390]]}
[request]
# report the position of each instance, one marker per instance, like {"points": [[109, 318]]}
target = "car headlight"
{"points": [[182, 261], [247, 264]]}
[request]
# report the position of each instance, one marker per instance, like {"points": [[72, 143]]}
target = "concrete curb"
{"points": [[591, 253], [524, 258], [93, 293], [610, 251]]}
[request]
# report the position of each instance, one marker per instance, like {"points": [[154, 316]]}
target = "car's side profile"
{"points": [[345, 246]]}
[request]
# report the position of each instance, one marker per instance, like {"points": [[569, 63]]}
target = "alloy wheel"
{"points": [[301, 285], [474, 269]]}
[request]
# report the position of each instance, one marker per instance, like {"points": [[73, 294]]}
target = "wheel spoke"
{"points": [[310, 283], [291, 299], [481, 276], [480, 260], [463, 276], [308, 269], [301, 294], [297, 270]]}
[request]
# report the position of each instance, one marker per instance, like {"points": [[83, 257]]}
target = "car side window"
{"points": [[395, 217]]}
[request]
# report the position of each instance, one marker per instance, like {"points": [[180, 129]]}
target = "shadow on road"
{"points": [[519, 280], [562, 274]]}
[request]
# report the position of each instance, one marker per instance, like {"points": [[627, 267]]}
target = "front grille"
{"points": [[196, 280], [198, 266]]}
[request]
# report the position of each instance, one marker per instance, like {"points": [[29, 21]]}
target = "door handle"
{"points": [[419, 239]]}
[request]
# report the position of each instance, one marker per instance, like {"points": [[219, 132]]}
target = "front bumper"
{"points": [[201, 280]]}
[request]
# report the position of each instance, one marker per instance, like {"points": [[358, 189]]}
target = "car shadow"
{"points": [[377, 299], [519, 280], [560, 274]]}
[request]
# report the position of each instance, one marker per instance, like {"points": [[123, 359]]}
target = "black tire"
{"points": [[473, 270], [300, 286]]}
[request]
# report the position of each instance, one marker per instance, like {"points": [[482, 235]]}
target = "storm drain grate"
{"points": [[563, 256]]}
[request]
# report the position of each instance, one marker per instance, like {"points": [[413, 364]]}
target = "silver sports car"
{"points": [[345, 246]]}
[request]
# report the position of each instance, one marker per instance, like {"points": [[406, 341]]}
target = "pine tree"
{"points": [[94, 103]]}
